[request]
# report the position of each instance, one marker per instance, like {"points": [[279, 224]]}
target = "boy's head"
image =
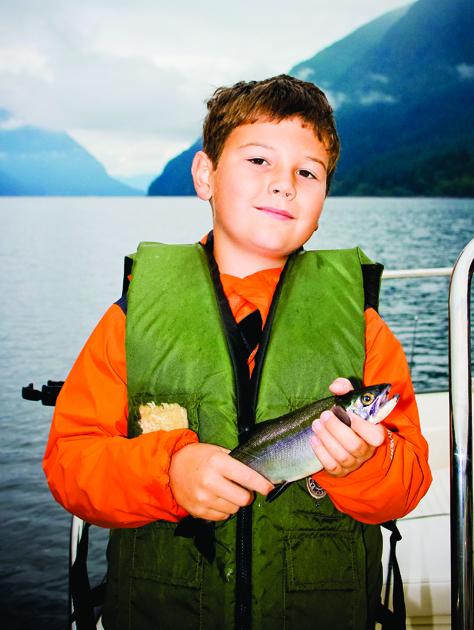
{"points": [[274, 99], [270, 148]]}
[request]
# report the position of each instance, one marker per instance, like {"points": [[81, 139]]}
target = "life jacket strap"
{"points": [[396, 619], [84, 598]]}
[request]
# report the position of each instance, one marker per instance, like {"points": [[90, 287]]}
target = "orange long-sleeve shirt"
{"points": [[95, 472]]}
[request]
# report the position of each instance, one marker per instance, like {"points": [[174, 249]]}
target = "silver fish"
{"points": [[280, 449]]}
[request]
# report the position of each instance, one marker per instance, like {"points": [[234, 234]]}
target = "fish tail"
{"points": [[277, 490]]}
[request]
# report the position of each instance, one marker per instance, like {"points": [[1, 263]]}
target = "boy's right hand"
{"points": [[210, 484]]}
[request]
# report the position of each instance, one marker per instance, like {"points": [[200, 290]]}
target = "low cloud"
{"points": [[378, 78], [465, 71], [304, 74], [369, 98], [335, 98]]}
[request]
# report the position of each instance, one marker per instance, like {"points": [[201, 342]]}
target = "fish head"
{"points": [[370, 403]]}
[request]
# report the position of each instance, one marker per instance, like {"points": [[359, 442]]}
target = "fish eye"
{"points": [[367, 399]]}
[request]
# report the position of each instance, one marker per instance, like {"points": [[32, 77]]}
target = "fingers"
{"points": [[224, 494], [210, 484], [341, 449], [241, 474], [227, 486], [339, 457], [209, 514], [373, 434], [340, 386], [215, 509]]}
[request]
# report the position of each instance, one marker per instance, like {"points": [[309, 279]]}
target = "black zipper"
{"points": [[246, 402]]}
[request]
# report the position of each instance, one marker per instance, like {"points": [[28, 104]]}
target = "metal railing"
{"points": [[416, 273], [460, 411]]}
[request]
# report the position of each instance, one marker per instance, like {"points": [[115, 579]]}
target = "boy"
{"points": [[194, 342]]}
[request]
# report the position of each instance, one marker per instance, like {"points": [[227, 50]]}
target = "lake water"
{"points": [[61, 267]]}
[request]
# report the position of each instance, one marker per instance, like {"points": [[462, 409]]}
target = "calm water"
{"points": [[61, 267]]}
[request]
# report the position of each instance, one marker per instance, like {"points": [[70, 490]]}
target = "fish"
{"points": [[280, 449]]}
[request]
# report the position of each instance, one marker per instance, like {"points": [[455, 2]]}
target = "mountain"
{"points": [[176, 178], [332, 62], [403, 91], [35, 161], [8, 186], [406, 106]]}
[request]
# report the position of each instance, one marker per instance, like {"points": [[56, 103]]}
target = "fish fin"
{"points": [[277, 490], [341, 414], [202, 532]]}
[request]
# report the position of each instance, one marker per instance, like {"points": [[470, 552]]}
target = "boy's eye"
{"points": [[258, 161], [308, 174]]}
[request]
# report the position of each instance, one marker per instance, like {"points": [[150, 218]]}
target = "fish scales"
{"points": [[280, 449]]}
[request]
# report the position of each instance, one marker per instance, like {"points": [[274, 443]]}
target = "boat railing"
{"points": [[395, 274], [460, 411]]}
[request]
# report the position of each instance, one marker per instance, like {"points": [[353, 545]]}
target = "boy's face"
{"points": [[267, 192]]}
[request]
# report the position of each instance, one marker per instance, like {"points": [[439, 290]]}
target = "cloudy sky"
{"points": [[128, 78]]}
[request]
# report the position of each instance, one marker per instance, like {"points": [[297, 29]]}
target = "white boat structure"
{"points": [[424, 551], [436, 553]]}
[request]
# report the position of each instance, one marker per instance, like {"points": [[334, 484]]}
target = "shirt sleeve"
{"points": [[392, 482], [92, 469]]}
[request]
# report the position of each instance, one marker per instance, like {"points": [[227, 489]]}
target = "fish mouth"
{"points": [[384, 405]]}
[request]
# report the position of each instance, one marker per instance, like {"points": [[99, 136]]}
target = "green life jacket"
{"points": [[296, 562]]}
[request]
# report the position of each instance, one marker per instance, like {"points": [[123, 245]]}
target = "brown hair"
{"points": [[276, 98]]}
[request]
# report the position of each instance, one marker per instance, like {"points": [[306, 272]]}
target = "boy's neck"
{"points": [[237, 261]]}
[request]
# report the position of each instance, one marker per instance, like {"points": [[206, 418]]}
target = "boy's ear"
{"points": [[201, 171]]}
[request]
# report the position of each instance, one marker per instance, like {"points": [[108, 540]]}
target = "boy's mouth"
{"points": [[276, 213]]}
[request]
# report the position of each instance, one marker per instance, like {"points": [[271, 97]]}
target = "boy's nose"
{"points": [[283, 187], [286, 193]]}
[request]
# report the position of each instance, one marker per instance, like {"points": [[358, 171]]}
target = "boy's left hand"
{"points": [[339, 448]]}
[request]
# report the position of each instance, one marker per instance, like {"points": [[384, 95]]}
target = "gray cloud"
{"points": [[117, 71]]}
